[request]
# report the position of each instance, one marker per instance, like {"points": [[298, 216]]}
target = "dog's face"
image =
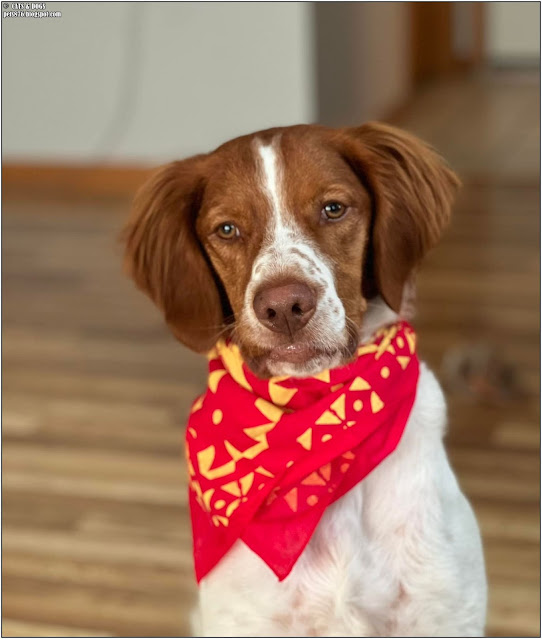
{"points": [[279, 239], [284, 223]]}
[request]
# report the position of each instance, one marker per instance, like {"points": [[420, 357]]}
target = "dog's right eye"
{"points": [[333, 210], [227, 231]]}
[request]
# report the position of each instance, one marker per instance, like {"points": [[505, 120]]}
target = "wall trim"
{"points": [[79, 180], [108, 181]]}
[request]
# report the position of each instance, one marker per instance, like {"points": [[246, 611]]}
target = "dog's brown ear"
{"points": [[164, 257], [412, 190]]}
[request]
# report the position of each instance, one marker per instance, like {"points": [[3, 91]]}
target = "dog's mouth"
{"points": [[297, 359], [297, 353]]}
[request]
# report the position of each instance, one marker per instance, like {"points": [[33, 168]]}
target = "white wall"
{"points": [[147, 82], [513, 32]]}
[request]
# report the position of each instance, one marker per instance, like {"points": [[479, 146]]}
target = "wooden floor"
{"points": [[95, 526]]}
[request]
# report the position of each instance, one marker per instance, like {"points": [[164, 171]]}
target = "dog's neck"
{"points": [[378, 315]]}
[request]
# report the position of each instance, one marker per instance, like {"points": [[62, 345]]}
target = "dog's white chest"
{"points": [[399, 555]]}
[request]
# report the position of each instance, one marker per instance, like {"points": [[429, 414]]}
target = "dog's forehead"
{"points": [[303, 153]]}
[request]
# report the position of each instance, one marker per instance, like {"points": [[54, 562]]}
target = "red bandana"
{"points": [[266, 457]]}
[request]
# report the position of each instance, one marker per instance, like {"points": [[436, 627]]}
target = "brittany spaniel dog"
{"points": [[296, 244]]}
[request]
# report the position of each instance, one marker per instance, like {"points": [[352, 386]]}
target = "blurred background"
{"points": [[96, 538]]}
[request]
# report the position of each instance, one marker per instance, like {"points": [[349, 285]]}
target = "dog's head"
{"points": [[280, 239]]}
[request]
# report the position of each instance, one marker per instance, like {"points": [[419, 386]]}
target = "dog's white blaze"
{"points": [[281, 232], [276, 258], [269, 163]]}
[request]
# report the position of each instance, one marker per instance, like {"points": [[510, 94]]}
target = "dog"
{"points": [[297, 245]]}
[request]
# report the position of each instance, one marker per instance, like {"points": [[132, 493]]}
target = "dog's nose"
{"points": [[286, 308]]}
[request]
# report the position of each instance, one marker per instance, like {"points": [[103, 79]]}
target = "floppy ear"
{"points": [[412, 190], [164, 257]]}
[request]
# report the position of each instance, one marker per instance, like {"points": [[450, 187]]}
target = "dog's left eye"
{"points": [[227, 231], [333, 210]]}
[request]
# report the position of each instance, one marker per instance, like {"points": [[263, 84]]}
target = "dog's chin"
{"points": [[299, 359]]}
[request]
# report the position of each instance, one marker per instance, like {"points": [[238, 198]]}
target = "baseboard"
{"points": [[64, 180]]}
